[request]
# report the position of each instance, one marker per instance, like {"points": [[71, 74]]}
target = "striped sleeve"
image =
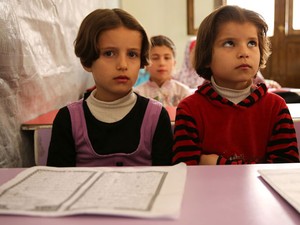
{"points": [[282, 147], [186, 146]]}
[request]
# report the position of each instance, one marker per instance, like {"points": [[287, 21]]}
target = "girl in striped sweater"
{"points": [[229, 119]]}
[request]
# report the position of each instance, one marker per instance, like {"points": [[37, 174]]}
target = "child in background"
{"points": [[229, 119], [161, 86], [112, 126]]}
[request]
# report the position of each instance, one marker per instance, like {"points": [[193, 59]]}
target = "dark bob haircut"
{"points": [[161, 40], [208, 32], [95, 24]]}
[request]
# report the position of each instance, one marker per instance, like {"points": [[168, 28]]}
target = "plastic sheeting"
{"points": [[38, 68]]}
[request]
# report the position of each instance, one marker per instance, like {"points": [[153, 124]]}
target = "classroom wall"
{"points": [[38, 68], [168, 17]]}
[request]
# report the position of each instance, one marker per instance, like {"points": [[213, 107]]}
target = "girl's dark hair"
{"points": [[161, 40], [208, 32], [95, 24]]}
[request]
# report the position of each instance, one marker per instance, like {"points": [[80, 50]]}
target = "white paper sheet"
{"points": [[286, 182], [149, 192]]}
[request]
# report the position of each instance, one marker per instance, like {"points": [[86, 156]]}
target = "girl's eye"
{"points": [[228, 44], [252, 43], [108, 53], [133, 54]]}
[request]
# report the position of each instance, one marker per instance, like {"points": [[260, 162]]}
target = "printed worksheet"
{"points": [[151, 192], [286, 182]]}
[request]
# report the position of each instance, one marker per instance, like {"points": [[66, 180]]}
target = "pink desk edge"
{"points": [[40, 121], [213, 195]]}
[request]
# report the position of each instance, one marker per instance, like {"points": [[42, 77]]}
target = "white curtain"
{"points": [[38, 68]]}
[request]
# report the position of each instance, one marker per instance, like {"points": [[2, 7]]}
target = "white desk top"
{"points": [[294, 109], [213, 195]]}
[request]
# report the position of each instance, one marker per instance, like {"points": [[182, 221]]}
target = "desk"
{"points": [[172, 112], [285, 89], [42, 121], [294, 109], [42, 127], [213, 195]]}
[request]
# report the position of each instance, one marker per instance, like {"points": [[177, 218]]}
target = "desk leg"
{"points": [[297, 128], [42, 138]]}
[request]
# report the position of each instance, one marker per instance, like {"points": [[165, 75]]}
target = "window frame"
{"points": [[289, 18]]}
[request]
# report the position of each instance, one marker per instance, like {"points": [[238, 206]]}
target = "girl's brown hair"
{"points": [[161, 40], [95, 24], [208, 32]]}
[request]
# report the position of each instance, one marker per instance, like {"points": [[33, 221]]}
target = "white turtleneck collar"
{"points": [[110, 112], [232, 95]]}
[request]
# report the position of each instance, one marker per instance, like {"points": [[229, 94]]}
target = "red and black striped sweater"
{"points": [[259, 129]]}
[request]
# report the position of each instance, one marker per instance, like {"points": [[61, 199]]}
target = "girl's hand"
{"points": [[210, 159]]}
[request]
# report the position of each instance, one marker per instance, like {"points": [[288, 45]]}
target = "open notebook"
{"points": [[148, 192], [286, 182]]}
